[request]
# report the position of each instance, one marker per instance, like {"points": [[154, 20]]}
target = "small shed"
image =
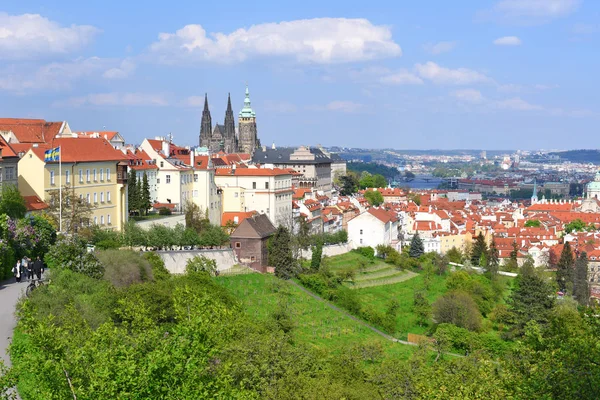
{"points": [[249, 241]]}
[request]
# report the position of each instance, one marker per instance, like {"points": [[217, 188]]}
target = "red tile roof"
{"points": [[7, 150], [34, 203], [157, 206], [77, 150], [31, 130], [231, 217], [382, 215]]}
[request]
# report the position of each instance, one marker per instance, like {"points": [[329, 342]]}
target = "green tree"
{"points": [[416, 246], [280, 254], [458, 308], [201, 264], [421, 307], [71, 253], [366, 180], [576, 225], [479, 248], [349, 183], [145, 195], [317, 253], [564, 269], [455, 255], [374, 197], [133, 235], [581, 289], [415, 198], [11, 202], [76, 211], [195, 218], [493, 262], [533, 223], [379, 181], [133, 196], [532, 298]]}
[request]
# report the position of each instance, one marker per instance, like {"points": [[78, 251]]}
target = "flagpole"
{"points": [[59, 191]]}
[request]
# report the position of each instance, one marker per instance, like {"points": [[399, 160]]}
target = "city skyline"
{"points": [[477, 75]]}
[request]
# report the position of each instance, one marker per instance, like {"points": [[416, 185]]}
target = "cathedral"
{"points": [[224, 137]]}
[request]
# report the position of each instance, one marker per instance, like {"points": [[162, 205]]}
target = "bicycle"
{"points": [[32, 286]]}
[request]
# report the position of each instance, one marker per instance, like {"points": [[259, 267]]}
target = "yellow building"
{"points": [[459, 240], [91, 169]]}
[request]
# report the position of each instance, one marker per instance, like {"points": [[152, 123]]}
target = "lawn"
{"points": [[316, 323]]}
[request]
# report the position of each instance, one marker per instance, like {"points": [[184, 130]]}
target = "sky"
{"points": [[469, 74]]}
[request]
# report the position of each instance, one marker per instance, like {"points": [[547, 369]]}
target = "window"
{"points": [[195, 177], [253, 185], [361, 241], [87, 198], [101, 174], [67, 177], [235, 194], [102, 220], [10, 173], [80, 176], [107, 174], [157, 180], [108, 197], [108, 219], [52, 177], [361, 231], [252, 258], [238, 245], [87, 175], [95, 176], [95, 220], [168, 177], [162, 164], [266, 185], [95, 197], [101, 197]]}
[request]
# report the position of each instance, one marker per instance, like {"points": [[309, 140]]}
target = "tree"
{"points": [[533, 223], [366, 180], [455, 255], [421, 307], [576, 225], [201, 264], [76, 211], [317, 253], [564, 269], [416, 246], [581, 289], [349, 183], [11, 202], [379, 181], [513, 263], [133, 195], [145, 202], [458, 308], [280, 254], [71, 253], [374, 197], [415, 198], [532, 299], [493, 262], [195, 218], [479, 248]]}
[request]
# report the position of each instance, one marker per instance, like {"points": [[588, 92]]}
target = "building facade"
{"points": [[249, 241]]}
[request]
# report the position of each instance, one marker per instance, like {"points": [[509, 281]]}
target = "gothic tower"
{"points": [[231, 142], [248, 137], [205, 125]]}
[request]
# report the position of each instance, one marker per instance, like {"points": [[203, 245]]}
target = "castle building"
{"points": [[224, 137]]}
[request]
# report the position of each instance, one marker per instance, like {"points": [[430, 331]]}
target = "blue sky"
{"points": [[518, 74]]}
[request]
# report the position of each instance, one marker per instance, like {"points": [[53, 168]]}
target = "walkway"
{"points": [[10, 292]]}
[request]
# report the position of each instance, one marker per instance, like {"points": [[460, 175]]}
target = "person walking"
{"points": [[17, 271], [28, 265], [37, 267]]}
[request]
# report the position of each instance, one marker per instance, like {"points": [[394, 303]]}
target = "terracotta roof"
{"points": [[7, 150], [382, 215], [233, 216], [34, 203], [109, 135], [31, 130], [157, 206], [76, 150], [155, 144]]}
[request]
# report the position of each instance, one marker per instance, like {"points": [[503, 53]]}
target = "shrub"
{"points": [[125, 267], [348, 299], [159, 271], [201, 264], [164, 211], [366, 251], [457, 308], [108, 244], [71, 253]]}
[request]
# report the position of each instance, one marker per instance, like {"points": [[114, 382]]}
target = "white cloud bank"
{"points": [[30, 36], [114, 99], [508, 41], [319, 40]]}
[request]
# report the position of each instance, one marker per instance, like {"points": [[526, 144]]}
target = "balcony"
{"points": [[122, 173]]}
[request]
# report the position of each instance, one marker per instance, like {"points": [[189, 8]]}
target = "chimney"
{"points": [[192, 158], [264, 149], [273, 146], [166, 148]]}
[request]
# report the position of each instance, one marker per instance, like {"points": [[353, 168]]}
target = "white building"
{"points": [[265, 190], [374, 227]]}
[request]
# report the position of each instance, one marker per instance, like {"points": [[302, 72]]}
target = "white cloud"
{"points": [[440, 75], [516, 103], [545, 9], [469, 95], [319, 40], [402, 77], [29, 36], [124, 70], [508, 41], [440, 47], [114, 99], [344, 106]]}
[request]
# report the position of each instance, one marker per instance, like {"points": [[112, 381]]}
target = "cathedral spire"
{"points": [[206, 124], [230, 126], [229, 109], [247, 111], [205, 103]]}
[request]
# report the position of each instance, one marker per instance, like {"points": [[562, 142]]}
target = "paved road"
{"points": [[10, 292]]}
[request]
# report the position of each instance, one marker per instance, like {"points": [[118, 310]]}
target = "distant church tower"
{"points": [[248, 137], [205, 125], [231, 141]]}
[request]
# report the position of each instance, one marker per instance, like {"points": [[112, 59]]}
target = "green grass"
{"points": [[316, 324]]}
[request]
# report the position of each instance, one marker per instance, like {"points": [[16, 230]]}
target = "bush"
{"points": [[348, 299], [201, 264], [164, 211], [159, 271], [457, 308], [71, 253], [124, 268], [366, 251], [108, 244]]}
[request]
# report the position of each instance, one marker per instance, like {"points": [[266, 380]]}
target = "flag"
{"points": [[52, 155]]}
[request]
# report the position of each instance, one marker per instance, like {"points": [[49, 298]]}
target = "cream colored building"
{"points": [[448, 241], [91, 168], [265, 190]]}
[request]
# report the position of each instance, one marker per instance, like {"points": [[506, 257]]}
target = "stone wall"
{"points": [[175, 260], [329, 251]]}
